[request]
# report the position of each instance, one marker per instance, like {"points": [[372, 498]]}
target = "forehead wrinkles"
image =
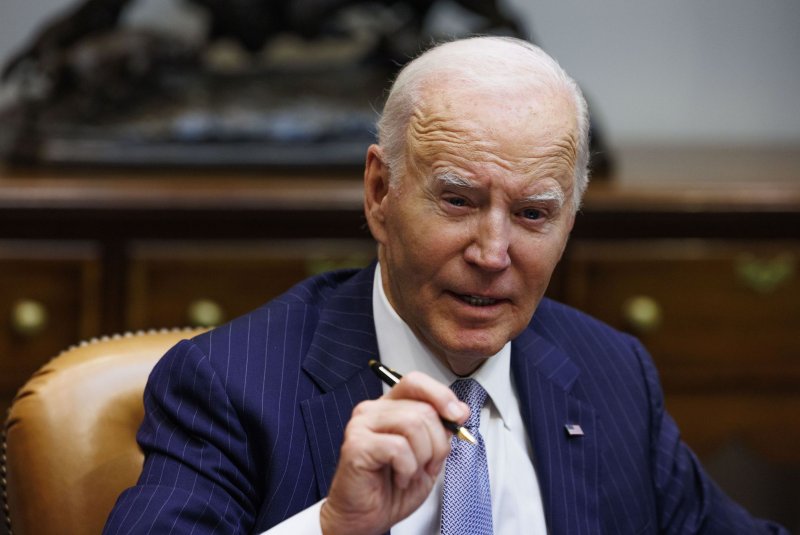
{"points": [[431, 135], [555, 158]]}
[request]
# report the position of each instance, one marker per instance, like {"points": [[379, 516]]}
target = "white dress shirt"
{"points": [[516, 500]]}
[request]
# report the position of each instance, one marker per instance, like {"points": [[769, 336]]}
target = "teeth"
{"points": [[478, 301]]}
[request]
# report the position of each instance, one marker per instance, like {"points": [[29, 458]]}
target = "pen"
{"points": [[391, 378]]}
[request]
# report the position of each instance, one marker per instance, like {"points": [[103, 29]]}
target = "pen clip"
{"points": [[385, 371]]}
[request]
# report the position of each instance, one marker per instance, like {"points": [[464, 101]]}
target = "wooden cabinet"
{"points": [[49, 300], [207, 283], [722, 321], [714, 313]]}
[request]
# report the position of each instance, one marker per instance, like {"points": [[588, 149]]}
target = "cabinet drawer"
{"points": [[49, 300], [710, 422], [708, 311], [209, 283]]}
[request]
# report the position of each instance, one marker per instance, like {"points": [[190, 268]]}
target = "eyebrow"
{"points": [[554, 194], [449, 178]]}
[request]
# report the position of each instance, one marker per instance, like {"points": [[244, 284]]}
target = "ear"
{"points": [[376, 189]]}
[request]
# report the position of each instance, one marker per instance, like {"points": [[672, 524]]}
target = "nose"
{"points": [[489, 247]]}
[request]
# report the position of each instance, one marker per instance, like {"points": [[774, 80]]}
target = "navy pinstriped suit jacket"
{"points": [[243, 424]]}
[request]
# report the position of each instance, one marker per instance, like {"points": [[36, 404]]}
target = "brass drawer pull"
{"points": [[28, 317], [642, 313], [765, 276], [205, 313]]}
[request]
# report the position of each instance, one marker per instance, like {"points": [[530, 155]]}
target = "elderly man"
{"points": [[276, 422]]}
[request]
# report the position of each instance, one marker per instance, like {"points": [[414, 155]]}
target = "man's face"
{"points": [[469, 237]]}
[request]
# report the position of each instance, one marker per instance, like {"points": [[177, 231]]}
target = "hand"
{"points": [[393, 450]]}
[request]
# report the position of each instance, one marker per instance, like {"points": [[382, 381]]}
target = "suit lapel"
{"points": [[342, 344], [567, 464]]}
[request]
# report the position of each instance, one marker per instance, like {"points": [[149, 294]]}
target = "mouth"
{"points": [[477, 301]]}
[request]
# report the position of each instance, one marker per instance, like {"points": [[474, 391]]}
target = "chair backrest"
{"points": [[70, 435]]}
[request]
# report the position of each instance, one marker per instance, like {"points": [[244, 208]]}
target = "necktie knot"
{"points": [[472, 393]]}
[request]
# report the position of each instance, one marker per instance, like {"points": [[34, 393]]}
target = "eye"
{"points": [[531, 213], [456, 201]]}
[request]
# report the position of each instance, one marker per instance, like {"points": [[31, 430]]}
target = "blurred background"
{"points": [[158, 195], [718, 71]]}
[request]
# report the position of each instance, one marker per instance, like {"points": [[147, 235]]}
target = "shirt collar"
{"points": [[401, 350]]}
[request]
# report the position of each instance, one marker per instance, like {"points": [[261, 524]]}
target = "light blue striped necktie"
{"points": [[467, 497]]}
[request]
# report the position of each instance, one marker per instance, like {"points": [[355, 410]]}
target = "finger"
{"points": [[441, 449], [372, 452], [417, 385], [422, 426], [397, 440], [416, 421]]}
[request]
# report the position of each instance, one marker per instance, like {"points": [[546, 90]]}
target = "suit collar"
{"points": [[337, 361], [545, 357], [344, 340], [567, 464]]}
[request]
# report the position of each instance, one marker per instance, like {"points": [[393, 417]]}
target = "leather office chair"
{"points": [[69, 438]]}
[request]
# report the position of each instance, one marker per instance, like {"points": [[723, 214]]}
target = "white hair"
{"points": [[489, 62]]}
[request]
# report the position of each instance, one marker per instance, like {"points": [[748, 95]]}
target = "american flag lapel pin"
{"points": [[574, 430]]}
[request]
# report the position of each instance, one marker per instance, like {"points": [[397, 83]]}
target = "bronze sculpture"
{"points": [[252, 23], [89, 85]]}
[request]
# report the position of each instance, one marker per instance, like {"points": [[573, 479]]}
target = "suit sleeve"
{"points": [[198, 476], [688, 500]]}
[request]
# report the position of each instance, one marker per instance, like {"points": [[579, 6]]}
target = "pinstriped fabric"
{"points": [[227, 449], [629, 472], [243, 424], [326, 417]]}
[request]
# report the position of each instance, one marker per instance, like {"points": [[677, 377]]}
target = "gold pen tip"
{"points": [[464, 434]]}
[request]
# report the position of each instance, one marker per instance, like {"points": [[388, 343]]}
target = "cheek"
{"points": [[413, 256], [425, 256], [538, 258], [430, 240]]}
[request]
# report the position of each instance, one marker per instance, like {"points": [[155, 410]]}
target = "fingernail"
{"points": [[455, 410]]}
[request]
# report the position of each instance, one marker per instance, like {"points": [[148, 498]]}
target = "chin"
{"points": [[462, 365], [469, 356], [482, 342]]}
